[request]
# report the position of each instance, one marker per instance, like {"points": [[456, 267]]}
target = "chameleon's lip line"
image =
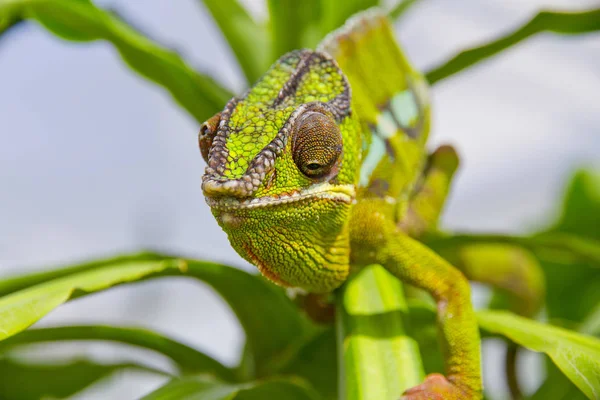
{"points": [[340, 193]]}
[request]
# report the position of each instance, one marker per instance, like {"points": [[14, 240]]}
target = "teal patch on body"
{"points": [[386, 125], [404, 108], [376, 152]]}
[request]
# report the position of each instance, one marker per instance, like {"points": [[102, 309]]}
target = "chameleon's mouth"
{"points": [[337, 193]]}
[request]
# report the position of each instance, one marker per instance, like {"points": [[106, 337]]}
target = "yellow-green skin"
{"points": [[309, 233], [297, 234]]}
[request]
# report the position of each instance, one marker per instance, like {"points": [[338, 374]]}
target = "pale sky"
{"points": [[95, 160]]}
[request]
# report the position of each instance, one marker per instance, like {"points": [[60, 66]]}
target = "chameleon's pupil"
{"points": [[313, 166]]}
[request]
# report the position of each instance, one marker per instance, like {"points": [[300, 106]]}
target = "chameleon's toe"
{"points": [[436, 387]]}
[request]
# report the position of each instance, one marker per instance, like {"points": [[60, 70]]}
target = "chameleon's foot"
{"points": [[317, 307], [436, 387]]}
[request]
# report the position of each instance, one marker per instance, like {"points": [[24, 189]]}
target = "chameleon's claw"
{"points": [[436, 387]]}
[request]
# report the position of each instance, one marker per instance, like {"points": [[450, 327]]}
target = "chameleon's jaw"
{"points": [[336, 193], [297, 240]]}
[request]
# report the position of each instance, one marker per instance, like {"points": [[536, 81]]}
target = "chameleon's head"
{"points": [[282, 169]]}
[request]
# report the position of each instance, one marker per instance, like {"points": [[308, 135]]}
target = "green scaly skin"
{"points": [[295, 179]]}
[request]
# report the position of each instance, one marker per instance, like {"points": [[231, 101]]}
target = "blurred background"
{"points": [[94, 160]]}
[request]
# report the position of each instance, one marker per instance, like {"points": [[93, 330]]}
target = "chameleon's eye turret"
{"points": [[317, 145], [208, 130]]}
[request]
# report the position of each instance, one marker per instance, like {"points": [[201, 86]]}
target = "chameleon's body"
{"points": [[321, 168]]}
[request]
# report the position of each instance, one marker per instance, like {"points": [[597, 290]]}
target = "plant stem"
{"points": [[377, 359]]}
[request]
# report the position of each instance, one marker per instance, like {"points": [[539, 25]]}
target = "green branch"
{"points": [[546, 21]]}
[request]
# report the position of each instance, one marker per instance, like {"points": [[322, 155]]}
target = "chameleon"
{"points": [[321, 168]]}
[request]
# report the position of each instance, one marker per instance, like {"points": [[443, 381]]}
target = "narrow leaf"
{"points": [[12, 284], [195, 389], [258, 304], [580, 217], [188, 359], [335, 13], [316, 363], [576, 355], [8, 23], [294, 25], [247, 39], [546, 21], [29, 381], [199, 94], [591, 324], [21, 309], [563, 247]]}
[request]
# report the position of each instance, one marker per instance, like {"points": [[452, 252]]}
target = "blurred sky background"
{"points": [[94, 160]]}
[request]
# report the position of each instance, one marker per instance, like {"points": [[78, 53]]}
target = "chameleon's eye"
{"points": [[317, 144], [208, 130]]}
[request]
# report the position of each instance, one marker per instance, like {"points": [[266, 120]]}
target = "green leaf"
{"points": [[258, 304], [19, 282], [294, 25], [335, 13], [556, 386], [8, 23], [199, 94], [316, 363], [591, 324], [188, 359], [546, 21], [422, 326], [21, 309], [198, 389], [28, 381], [576, 355], [580, 216], [379, 360], [581, 207], [248, 40], [569, 252], [562, 247]]}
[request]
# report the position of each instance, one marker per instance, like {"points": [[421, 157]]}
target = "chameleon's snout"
{"points": [[234, 187]]}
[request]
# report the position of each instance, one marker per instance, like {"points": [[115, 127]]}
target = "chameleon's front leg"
{"points": [[376, 239], [512, 269]]}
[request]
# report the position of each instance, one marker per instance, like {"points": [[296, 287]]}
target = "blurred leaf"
{"points": [[400, 8], [199, 94], [557, 386], [581, 209], [591, 324], [335, 13], [12, 284], [565, 248], [294, 25], [198, 389], [8, 23], [422, 327], [188, 359], [316, 363], [379, 360], [548, 21], [248, 40], [574, 290], [569, 252], [258, 304], [577, 356], [28, 381]]}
